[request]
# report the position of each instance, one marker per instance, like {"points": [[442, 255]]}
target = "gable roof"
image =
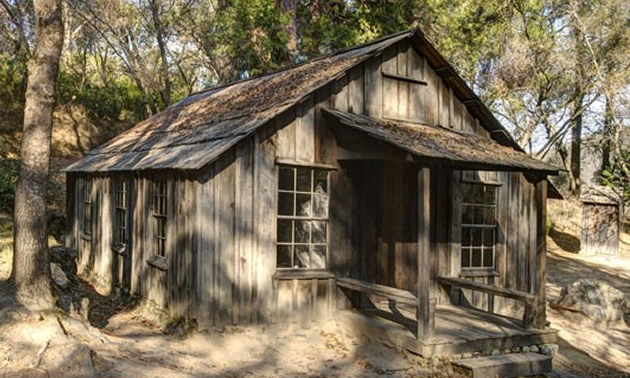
{"points": [[194, 132], [455, 147], [198, 129]]}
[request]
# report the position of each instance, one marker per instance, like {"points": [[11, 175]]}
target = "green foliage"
{"points": [[12, 84], [9, 171], [327, 26], [253, 35], [549, 225], [109, 102], [614, 177]]}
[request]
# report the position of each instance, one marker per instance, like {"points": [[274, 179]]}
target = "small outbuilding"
{"points": [[600, 221], [370, 185]]}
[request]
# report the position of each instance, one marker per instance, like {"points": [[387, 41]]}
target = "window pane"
{"points": [[302, 256], [319, 232], [320, 205], [302, 231], [285, 228], [489, 219], [478, 215], [476, 237], [467, 214], [476, 257], [489, 196], [465, 257], [318, 256], [487, 257], [304, 179], [286, 179], [488, 237], [321, 182], [303, 205], [285, 203], [467, 193], [477, 193], [466, 237], [284, 256]]}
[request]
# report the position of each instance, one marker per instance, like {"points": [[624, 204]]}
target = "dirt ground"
{"points": [[119, 340], [587, 349]]}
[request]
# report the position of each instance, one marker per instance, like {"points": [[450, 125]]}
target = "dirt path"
{"points": [[586, 349]]}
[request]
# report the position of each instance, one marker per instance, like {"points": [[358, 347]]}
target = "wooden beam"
{"points": [[530, 300], [426, 310], [541, 254], [394, 294], [491, 289], [403, 78]]}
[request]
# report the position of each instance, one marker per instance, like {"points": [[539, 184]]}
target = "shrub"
{"points": [[9, 171]]}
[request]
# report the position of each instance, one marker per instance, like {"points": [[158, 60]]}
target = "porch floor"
{"points": [[457, 330]]}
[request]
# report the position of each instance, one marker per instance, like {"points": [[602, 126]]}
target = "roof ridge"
{"points": [[291, 66]]}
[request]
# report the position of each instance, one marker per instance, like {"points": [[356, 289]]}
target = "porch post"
{"points": [[426, 305], [540, 319]]}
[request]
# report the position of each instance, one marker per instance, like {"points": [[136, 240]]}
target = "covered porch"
{"points": [[398, 248]]}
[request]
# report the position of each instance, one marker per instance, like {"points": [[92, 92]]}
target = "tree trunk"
{"points": [[159, 33], [31, 270], [578, 104], [606, 137], [576, 149], [289, 7]]}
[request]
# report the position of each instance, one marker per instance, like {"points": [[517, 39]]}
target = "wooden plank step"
{"points": [[504, 366]]}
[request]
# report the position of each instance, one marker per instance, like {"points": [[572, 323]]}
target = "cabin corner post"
{"points": [[541, 254], [426, 305]]}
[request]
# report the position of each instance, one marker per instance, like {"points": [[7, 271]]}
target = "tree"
{"points": [[154, 5], [289, 8], [31, 270]]}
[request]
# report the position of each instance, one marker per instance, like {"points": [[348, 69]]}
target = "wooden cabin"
{"points": [[370, 185]]}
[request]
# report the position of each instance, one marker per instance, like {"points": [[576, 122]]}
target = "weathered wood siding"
{"points": [[401, 84], [237, 227], [170, 290]]}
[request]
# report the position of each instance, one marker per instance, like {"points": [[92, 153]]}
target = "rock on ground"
{"points": [[596, 299], [58, 275]]}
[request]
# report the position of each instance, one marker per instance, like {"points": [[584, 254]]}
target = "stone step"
{"points": [[504, 366]]}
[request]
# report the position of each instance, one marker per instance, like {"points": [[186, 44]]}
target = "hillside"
{"points": [[74, 133]]}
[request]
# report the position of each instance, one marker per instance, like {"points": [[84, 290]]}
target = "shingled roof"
{"points": [[194, 132], [454, 147]]}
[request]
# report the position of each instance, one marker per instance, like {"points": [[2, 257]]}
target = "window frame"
{"points": [[122, 205], [159, 216], [484, 227], [87, 206], [313, 168]]}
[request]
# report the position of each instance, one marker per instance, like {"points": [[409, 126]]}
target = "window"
{"points": [[160, 212], [120, 210], [478, 225], [302, 218], [86, 216]]}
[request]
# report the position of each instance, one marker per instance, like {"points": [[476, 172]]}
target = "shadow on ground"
{"points": [[566, 241], [101, 307]]}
